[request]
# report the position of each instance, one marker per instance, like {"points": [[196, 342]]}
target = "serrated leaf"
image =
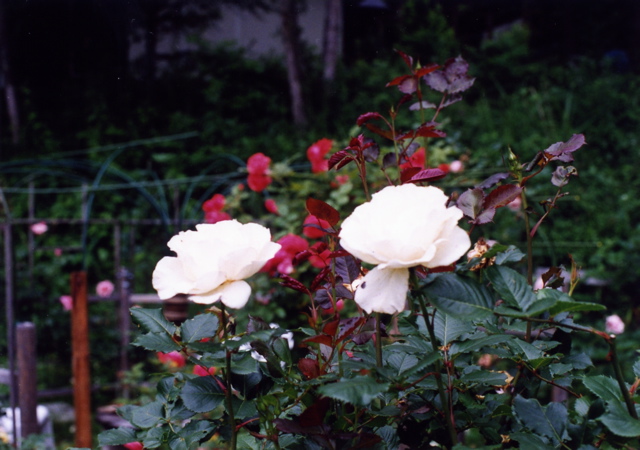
{"points": [[460, 297], [486, 377], [470, 202], [194, 432], [402, 361], [511, 286], [149, 415], [157, 342], [572, 306], [619, 421], [448, 328], [550, 421], [477, 344], [323, 211], [529, 351], [200, 327], [636, 368], [603, 386], [530, 441], [155, 437], [358, 391], [202, 394], [153, 320], [117, 436]]}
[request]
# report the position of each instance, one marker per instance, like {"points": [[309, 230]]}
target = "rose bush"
{"points": [[479, 358], [401, 227], [213, 261]]}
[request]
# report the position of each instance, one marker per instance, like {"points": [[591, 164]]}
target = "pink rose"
{"points": [[258, 168], [104, 289], [67, 302], [134, 446], [316, 154], [39, 228], [174, 360], [271, 206], [614, 324], [456, 166], [313, 232], [417, 159], [202, 371]]}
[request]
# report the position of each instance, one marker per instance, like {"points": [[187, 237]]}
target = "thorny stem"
{"points": [[444, 399], [228, 392]]}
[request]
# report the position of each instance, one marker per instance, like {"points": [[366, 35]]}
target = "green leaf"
{"points": [[153, 320], [117, 436], [511, 286], [473, 345], [530, 441], [244, 364], [604, 387], [556, 302], [485, 377], [357, 391], [244, 409], [619, 421], [636, 368], [202, 394], [149, 415], [194, 432], [572, 306], [511, 254], [460, 297], [529, 351], [201, 326], [155, 437], [447, 328], [550, 422], [402, 361], [157, 342]]}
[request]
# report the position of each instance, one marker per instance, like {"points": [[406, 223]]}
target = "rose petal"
{"points": [[383, 290], [234, 294]]}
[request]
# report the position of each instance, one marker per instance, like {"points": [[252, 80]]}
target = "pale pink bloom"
{"points": [[57, 251], [515, 205], [104, 289], [456, 166], [614, 324], [39, 228], [67, 302]]}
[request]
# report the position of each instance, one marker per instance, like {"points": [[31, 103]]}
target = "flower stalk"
{"points": [[228, 393]]}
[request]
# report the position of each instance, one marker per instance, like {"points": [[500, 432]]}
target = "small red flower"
{"points": [[282, 262], [174, 360], [134, 446], [202, 371], [316, 154], [417, 159], [444, 167], [271, 206], [215, 203], [313, 232], [213, 209], [319, 255], [259, 174]]}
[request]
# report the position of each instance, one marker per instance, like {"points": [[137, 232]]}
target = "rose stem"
{"points": [[227, 375], [378, 341]]}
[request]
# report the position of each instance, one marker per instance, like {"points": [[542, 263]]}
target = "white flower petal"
{"points": [[383, 290], [449, 251], [234, 294], [169, 278]]}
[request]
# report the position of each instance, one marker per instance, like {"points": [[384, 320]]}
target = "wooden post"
{"points": [[27, 384], [80, 365]]}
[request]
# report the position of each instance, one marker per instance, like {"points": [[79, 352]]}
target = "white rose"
{"points": [[401, 227], [213, 261]]}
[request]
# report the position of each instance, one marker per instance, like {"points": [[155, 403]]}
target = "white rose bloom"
{"points": [[401, 227], [213, 262]]}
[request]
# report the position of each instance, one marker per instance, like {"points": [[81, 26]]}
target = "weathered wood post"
{"points": [[27, 383], [80, 357]]}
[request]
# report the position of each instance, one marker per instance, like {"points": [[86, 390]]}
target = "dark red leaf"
{"points": [[493, 180], [408, 173], [379, 131], [470, 202], [426, 69], [309, 367], [348, 326], [407, 59], [485, 216], [320, 339], [315, 414], [367, 117], [501, 196], [396, 81], [428, 175], [441, 269], [338, 157], [320, 278], [294, 284], [323, 211], [331, 327], [562, 150]]}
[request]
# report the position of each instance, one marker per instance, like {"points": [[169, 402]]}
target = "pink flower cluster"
{"points": [[213, 209], [418, 159], [259, 172], [317, 153]]}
